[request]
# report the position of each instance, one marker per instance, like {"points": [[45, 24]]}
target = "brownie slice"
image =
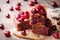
{"points": [[41, 24]]}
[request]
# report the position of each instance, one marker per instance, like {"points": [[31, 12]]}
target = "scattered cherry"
{"points": [[8, 1], [22, 13], [1, 26], [8, 16], [7, 34], [11, 8], [19, 4], [21, 19], [26, 14], [17, 16], [17, 8], [55, 35], [31, 3], [23, 32], [54, 4]]}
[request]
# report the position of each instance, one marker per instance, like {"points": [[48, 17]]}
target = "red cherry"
{"points": [[7, 34], [1, 26], [11, 8], [42, 11], [19, 4], [21, 19], [8, 1], [26, 14], [55, 35], [17, 8], [54, 4], [23, 32], [33, 10], [37, 7], [22, 13], [17, 16], [8, 16], [31, 3], [25, 0]]}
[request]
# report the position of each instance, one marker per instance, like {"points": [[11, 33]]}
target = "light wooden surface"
{"points": [[9, 23]]}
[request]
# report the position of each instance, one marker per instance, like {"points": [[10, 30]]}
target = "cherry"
{"points": [[26, 14], [25, 0], [23, 32], [19, 4], [55, 35], [17, 16], [1, 26], [7, 34], [8, 1], [17, 8], [54, 4], [31, 3], [21, 19], [22, 13], [42, 11], [37, 7], [11, 8], [20, 16], [8, 16], [33, 10]]}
